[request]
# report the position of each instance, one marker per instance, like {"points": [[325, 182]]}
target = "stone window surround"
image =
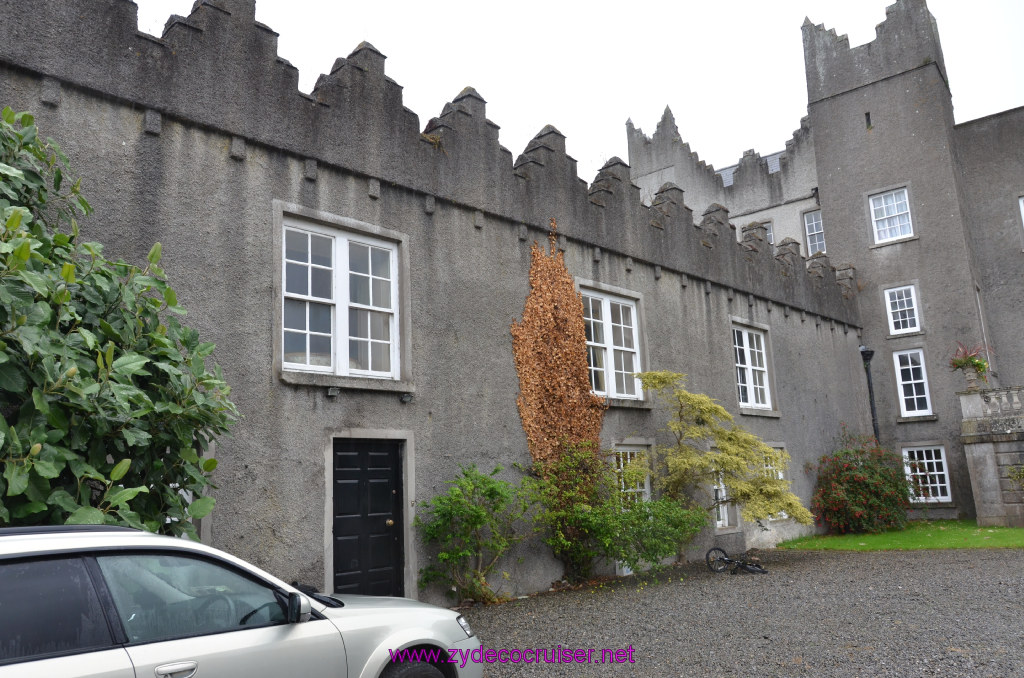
{"points": [[780, 474], [595, 288], [737, 322], [808, 234], [723, 514], [1020, 203], [904, 413], [869, 213], [639, 493], [915, 287], [336, 297], [930, 445], [404, 384]]}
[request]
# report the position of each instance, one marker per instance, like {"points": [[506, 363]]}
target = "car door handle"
{"points": [[177, 670]]}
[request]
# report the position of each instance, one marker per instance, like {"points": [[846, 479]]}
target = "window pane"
{"points": [[627, 315], [296, 279], [296, 246], [294, 347], [595, 356], [323, 249], [319, 350], [294, 314], [616, 314], [381, 293], [358, 354], [48, 607], [321, 279], [380, 326], [320, 318], [616, 334], [380, 357], [358, 258], [381, 261], [358, 323], [359, 289], [159, 597]]}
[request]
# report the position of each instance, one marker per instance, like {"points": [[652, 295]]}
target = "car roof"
{"points": [[22, 542], [15, 541]]}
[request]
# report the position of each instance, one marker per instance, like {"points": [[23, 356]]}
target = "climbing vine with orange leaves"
{"points": [[550, 351]]}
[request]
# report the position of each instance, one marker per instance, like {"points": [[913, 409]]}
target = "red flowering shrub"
{"points": [[862, 487]]}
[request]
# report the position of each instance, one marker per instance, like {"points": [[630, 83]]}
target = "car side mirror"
{"points": [[299, 608]]}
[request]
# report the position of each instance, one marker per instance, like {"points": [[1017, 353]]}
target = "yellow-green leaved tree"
{"points": [[709, 448]]}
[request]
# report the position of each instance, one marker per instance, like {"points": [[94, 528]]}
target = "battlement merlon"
{"points": [[908, 39]]}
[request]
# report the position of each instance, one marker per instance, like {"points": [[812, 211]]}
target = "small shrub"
{"points": [[570, 491], [584, 518], [862, 487], [648, 532], [473, 525]]}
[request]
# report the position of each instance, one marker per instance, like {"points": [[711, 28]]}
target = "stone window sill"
{"points": [[905, 335], [628, 403], [911, 420], [896, 241], [352, 383], [755, 412]]}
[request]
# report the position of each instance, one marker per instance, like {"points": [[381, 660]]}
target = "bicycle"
{"points": [[718, 560]]}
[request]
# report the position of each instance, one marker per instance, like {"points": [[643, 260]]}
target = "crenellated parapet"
{"points": [[218, 70], [755, 183], [908, 39]]}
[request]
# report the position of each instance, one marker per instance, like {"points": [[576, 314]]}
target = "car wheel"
{"points": [[411, 670]]}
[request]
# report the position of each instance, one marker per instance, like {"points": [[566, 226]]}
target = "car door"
{"points": [[52, 623], [187, 615]]}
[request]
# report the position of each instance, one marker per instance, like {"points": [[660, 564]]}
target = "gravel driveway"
{"points": [[820, 614]]}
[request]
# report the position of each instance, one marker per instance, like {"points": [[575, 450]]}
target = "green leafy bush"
{"points": [[472, 525], [584, 518], [568, 489], [106, 406], [862, 487], [647, 532]]}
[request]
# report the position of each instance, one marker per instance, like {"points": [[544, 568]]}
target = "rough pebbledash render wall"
{"points": [[201, 140]]}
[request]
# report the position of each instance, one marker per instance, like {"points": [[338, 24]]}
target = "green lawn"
{"points": [[920, 534]]}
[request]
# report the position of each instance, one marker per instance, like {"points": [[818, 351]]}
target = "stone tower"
{"points": [[891, 203]]}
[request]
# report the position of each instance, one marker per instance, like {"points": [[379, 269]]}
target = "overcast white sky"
{"points": [[732, 71]]}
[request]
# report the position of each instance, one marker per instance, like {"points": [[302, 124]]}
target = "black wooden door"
{"points": [[368, 553]]}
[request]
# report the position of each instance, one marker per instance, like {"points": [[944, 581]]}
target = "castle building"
{"points": [[359, 271], [927, 211]]}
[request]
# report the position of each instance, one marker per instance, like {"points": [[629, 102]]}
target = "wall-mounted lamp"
{"points": [[333, 391], [405, 398], [866, 354]]}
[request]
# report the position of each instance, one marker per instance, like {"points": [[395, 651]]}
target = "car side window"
{"points": [[48, 608], [166, 596]]}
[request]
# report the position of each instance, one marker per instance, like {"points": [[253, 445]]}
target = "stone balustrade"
{"points": [[992, 432]]}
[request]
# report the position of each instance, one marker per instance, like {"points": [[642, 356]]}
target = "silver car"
{"points": [[101, 601]]}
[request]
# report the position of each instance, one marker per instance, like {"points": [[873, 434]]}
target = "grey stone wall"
{"points": [[200, 140], [991, 153]]}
